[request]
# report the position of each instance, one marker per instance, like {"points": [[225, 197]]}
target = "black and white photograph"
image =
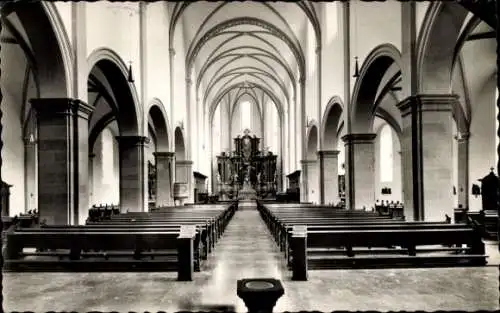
{"points": [[249, 156]]}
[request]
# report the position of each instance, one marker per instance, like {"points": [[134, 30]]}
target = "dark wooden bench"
{"points": [[386, 248], [487, 221], [200, 243], [409, 239], [285, 230], [77, 244]]}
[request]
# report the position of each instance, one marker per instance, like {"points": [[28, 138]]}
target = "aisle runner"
{"points": [[246, 251]]}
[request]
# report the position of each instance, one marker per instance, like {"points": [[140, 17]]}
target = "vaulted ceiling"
{"points": [[246, 48]]}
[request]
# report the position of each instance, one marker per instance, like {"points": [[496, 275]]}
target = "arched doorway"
{"points": [[456, 60], [310, 166], [183, 188], [34, 66], [376, 93], [118, 161], [328, 158], [160, 159]]}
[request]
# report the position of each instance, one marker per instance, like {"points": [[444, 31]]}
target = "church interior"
{"points": [[249, 156]]}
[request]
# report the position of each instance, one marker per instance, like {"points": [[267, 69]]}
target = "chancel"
{"points": [[247, 171], [249, 156]]}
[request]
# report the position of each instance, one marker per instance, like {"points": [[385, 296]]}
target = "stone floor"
{"points": [[245, 251]]}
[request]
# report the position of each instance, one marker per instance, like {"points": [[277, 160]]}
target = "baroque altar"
{"points": [[246, 172]]}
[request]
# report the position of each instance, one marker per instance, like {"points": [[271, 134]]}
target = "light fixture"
{"points": [[356, 65], [356, 68], [130, 75]]}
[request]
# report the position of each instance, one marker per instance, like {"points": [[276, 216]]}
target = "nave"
{"points": [[128, 129], [247, 250]]}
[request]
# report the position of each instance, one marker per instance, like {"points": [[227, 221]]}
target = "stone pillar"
{"points": [[164, 178], [427, 156], [328, 176], [91, 178], [312, 180], [303, 181], [463, 170], [360, 170], [184, 174], [30, 164], [62, 160], [132, 154]]}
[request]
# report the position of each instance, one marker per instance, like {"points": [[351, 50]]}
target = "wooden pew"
{"points": [[203, 244], [77, 241], [200, 244], [403, 237], [285, 231], [121, 241], [321, 221], [487, 221]]}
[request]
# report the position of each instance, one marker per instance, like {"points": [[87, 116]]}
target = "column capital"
{"points": [[427, 102], [328, 153], [359, 138], [92, 155], [188, 81], [132, 140], [308, 162], [462, 137], [183, 162], [30, 141], [164, 155], [61, 106], [171, 51], [302, 80]]}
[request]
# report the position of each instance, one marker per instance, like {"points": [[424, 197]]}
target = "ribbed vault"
{"points": [[246, 48]]}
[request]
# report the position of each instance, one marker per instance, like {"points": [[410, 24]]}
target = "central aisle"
{"points": [[246, 250]]}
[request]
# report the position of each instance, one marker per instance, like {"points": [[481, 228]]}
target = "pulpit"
{"points": [[200, 191], [293, 190], [490, 190]]}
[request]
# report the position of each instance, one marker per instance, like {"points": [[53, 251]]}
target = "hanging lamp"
{"points": [[130, 77], [356, 67], [130, 74]]}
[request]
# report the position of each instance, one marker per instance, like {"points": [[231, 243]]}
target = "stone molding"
{"points": [[427, 103], [184, 162], [308, 162], [61, 106], [328, 153], [132, 140], [164, 155], [367, 138]]}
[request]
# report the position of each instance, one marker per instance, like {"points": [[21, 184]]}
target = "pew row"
{"points": [[74, 246], [407, 239], [327, 238], [135, 241]]}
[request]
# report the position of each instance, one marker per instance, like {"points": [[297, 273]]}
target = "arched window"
{"points": [[107, 157], [246, 115], [216, 128], [386, 154]]}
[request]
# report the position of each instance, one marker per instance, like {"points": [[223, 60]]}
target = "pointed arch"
{"points": [[115, 71], [330, 124]]}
